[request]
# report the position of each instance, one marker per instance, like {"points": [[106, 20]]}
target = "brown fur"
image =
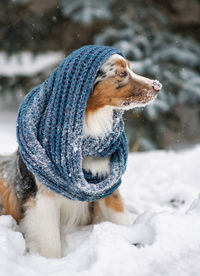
{"points": [[115, 202], [121, 63], [10, 202]]}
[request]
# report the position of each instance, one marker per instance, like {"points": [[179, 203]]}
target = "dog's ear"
{"points": [[100, 76]]}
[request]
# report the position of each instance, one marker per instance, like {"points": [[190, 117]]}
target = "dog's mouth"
{"points": [[143, 97], [138, 101]]}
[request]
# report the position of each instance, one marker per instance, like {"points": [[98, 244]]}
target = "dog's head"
{"points": [[117, 86]]}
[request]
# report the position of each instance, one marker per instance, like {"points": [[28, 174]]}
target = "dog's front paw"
{"points": [[47, 252]]}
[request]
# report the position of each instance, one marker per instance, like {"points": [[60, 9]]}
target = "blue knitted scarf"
{"points": [[50, 130]]}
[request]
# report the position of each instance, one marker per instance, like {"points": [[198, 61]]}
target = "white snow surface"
{"points": [[160, 190]]}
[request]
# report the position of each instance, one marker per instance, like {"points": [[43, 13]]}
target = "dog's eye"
{"points": [[123, 74]]}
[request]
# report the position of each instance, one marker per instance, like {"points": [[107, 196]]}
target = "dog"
{"points": [[41, 212]]}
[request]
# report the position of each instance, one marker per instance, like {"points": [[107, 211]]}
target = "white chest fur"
{"points": [[97, 124]]}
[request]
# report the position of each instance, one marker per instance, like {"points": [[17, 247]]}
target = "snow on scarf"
{"points": [[50, 130]]}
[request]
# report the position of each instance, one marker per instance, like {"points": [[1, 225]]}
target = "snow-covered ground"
{"points": [[160, 190]]}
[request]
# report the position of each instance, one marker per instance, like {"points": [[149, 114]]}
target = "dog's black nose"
{"points": [[157, 85]]}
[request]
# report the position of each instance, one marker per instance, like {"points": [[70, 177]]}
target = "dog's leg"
{"points": [[8, 201], [111, 209], [41, 225]]}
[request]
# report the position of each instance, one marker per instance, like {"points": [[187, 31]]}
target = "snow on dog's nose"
{"points": [[157, 85]]}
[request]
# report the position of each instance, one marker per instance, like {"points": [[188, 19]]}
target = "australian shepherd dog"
{"points": [[42, 213]]}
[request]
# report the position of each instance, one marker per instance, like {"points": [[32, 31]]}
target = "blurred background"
{"points": [[160, 38]]}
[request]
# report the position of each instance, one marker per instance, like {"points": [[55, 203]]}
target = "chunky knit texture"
{"points": [[50, 130]]}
